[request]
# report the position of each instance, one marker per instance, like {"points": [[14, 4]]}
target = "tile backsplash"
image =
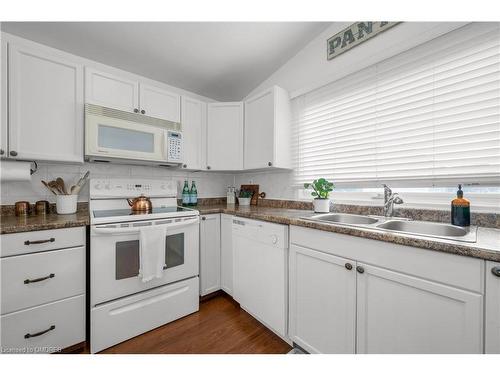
{"points": [[208, 184], [277, 184]]}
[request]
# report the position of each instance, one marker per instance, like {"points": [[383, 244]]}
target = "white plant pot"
{"points": [[244, 201], [321, 205], [66, 204]]}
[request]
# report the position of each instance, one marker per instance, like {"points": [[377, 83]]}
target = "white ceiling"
{"points": [[221, 60]]}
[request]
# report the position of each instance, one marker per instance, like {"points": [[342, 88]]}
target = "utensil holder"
{"points": [[66, 204]]}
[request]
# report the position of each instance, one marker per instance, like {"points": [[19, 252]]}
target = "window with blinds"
{"points": [[430, 115]]}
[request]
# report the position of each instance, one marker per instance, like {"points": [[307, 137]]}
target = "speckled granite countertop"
{"points": [[486, 247], [14, 224]]}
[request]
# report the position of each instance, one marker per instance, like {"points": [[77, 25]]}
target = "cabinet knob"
{"points": [[143, 111], [13, 153], [203, 218], [136, 110], [348, 266], [184, 166], [360, 269], [2, 152], [270, 164], [208, 167], [496, 271]]}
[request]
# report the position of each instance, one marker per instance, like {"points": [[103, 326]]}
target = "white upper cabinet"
{"points": [[267, 130], [156, 102], [225, 136], [128, 94], [109, 90], [194, 132], [45, 104]]}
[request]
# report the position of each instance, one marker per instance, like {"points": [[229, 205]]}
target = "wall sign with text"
{"points": [[354, 35]]}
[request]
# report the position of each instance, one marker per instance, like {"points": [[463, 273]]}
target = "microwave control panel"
{"points": [[174, 147]]}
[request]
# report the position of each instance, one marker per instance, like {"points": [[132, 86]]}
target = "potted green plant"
{"points": [[245, 197], [321, 191]]}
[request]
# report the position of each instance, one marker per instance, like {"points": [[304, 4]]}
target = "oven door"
{"points": [[114, 257]]}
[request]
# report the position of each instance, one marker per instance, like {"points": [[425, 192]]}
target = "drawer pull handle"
{"points": [[29, 335], [27, 243], [28, 281], [496, 271]]}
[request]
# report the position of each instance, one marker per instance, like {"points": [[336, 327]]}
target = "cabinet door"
{"points": [[322, 301], [209, 254], [156, 102], [226, 250], [109, 90], [259, 131], [492, 326], [194, 132], [45, 105], [398, 313], [3, 98], [225, 136]]}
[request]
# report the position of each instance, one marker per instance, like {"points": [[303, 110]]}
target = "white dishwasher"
{"points": [[260, 271]]}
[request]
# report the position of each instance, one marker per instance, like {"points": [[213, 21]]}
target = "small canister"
{"points": [[42, 207], [22, 208]]}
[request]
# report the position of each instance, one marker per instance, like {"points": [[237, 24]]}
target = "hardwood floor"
{"points": [[220, 327]]}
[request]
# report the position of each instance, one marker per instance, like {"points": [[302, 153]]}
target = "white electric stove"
{"points": [[122, 305]]}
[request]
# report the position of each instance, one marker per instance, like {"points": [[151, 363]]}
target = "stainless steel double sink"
{"points": [[400, 225]]}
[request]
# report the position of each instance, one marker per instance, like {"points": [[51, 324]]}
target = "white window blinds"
{"points": [[430, 114]]}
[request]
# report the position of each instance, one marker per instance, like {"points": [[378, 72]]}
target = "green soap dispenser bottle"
{"points": [[460, 209]]}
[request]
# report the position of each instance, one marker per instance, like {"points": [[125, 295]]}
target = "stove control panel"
{"points": [[131, 188]]}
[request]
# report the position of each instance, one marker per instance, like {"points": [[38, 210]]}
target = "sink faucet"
{"points": [[390, 199]]}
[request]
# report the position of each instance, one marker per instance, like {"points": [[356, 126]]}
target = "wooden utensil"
{"points": [[48, 187], [54, 185], [62, 186]]}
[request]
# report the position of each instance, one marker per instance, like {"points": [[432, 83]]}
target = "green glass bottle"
{"points": [[193, 195], [185, 194]]}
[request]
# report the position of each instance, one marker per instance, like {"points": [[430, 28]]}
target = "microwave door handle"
{"points": [[101, 230]]}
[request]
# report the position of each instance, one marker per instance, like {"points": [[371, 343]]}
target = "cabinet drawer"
{"points": [[31, 242], [45, 328], [33, 279]]}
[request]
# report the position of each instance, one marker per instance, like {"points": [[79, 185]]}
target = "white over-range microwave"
{"points": [[114, 135]]}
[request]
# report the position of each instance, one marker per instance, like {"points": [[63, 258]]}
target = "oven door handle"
{"points": [[104, 230]]}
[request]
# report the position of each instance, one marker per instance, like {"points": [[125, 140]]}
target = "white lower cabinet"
{"points": [[226, 253], [322, 301], [43, 290], [492, 324], [44, 329], [395, 299], [210, 260], [398, 313]]}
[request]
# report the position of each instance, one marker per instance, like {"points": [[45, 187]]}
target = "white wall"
{"points": [[310, 69], [209, 184]]}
